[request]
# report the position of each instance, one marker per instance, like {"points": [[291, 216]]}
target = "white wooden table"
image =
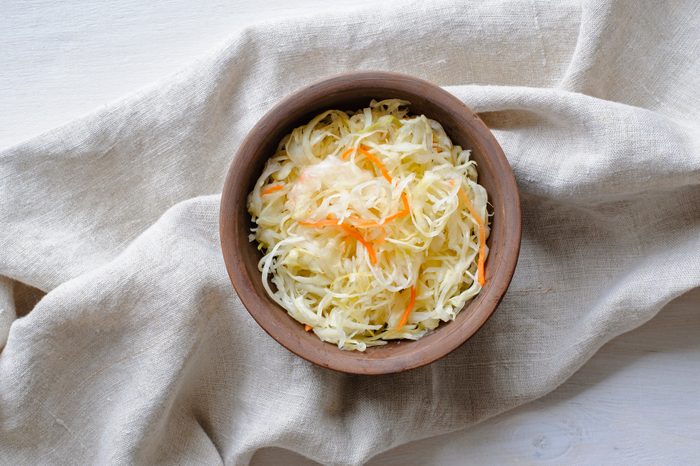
{"points": [[636, 402]]}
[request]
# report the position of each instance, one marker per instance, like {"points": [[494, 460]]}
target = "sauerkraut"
{"points": [[372, 225]]}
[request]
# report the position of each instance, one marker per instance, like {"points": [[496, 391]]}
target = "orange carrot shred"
{"points": [[307, 327], [482, 255], [368, 246], [482, 236], [400, 213], [372, 158], [272, 188], [331, 221], [320, 223], [359, 222], [409, 308], [406, 207]]}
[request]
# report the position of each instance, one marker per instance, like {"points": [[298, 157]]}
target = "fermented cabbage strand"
{"points": [[359, 213]]}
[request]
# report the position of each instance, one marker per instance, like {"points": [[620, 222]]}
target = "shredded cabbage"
{"points": [[342, 253]]}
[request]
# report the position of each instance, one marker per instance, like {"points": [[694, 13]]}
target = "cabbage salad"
{"points": [[372, 224]]}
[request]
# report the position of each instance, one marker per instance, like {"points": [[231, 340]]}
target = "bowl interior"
{"points": [[352, 92]]}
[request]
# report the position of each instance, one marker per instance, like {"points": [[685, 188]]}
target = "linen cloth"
{"points": [[139, 352]]}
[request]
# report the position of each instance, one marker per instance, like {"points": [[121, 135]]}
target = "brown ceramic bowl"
{"points": [[351, 92]]}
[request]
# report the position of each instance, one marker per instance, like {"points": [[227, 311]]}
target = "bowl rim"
{"points": [[487, 300]]}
